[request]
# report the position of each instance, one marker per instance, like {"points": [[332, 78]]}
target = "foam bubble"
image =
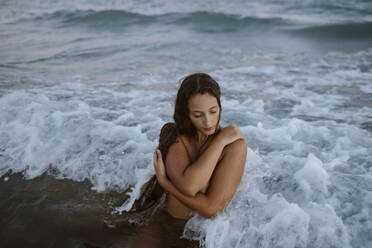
{"points": [[313, 179], [327, 228]]}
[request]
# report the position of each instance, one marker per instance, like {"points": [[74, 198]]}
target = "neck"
{"points": [[201, 139]]}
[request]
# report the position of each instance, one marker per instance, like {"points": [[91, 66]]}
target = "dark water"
{"points": [[85, 87], [63, 213]]}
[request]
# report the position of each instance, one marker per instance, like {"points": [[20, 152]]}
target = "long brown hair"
{"points": [[197, 83]]}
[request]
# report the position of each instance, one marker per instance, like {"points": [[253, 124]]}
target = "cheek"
{"points": [[196, 122], [217, 117]]}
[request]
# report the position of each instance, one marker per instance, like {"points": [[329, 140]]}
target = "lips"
{"points": [[208, 129]]}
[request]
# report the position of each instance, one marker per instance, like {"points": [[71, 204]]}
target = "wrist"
{"points": [[163, 182]]}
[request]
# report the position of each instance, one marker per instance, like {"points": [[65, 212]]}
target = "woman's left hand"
{"points": [[159, 166]]}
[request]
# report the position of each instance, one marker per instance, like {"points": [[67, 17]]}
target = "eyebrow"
{"points": [[193, 111]]}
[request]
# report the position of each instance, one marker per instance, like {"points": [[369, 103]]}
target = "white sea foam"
{"points": [[70, 139], [255, 220], [313, 179]]}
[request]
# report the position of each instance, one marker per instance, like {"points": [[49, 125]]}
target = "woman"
{"points": [[204, 162]]}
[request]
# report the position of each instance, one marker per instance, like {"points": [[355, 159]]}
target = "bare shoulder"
{"points": [[238, 147], [184, 139], [176, 161], [177, 153], [177, 146]]}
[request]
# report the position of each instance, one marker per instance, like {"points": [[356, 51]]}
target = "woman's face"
{"points": [[204, 113]]}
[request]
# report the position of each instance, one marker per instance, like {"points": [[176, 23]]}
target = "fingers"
{"points": [[241, 135], [235, 133], [155, 157]]}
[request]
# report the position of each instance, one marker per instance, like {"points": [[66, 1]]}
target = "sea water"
{"points": [[86, 85]]}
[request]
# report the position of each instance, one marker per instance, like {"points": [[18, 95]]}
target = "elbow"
{"points": [[211, 211], [189, 191], [209, 215]]}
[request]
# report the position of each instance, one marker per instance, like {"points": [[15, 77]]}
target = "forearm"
{"points": [[200, 203], [197, 175], [223, 185]]}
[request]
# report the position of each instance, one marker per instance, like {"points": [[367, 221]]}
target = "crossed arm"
{"points": [[190, 178], [225, 179]]}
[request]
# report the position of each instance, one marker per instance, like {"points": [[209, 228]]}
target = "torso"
{"points": [[174, 207]]}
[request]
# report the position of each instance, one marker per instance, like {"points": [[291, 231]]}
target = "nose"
{"points": [[207, 120]]}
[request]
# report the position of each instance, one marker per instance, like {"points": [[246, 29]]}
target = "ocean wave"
{"points": [[116, 17], [202, 21], [204, 17], [120, 18], [338, 31]]}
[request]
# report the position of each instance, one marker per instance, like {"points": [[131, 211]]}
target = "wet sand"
{"points": [[49, 212]]}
